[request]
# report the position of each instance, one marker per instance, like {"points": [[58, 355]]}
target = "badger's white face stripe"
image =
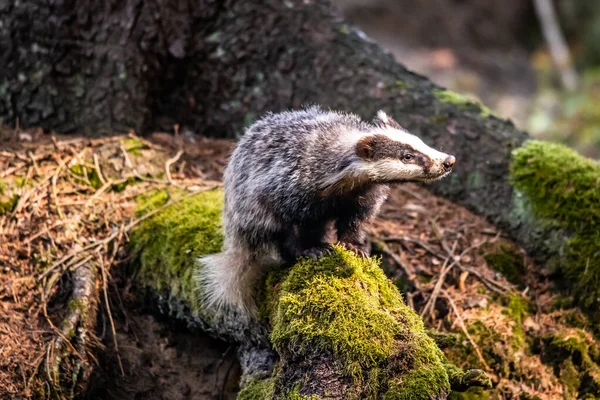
{"points": [[414, 141]]}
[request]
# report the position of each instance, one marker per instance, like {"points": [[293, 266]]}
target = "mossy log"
{"points": [[334, 328], [562, 189]]}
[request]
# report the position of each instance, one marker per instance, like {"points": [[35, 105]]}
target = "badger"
{"points": [[296, 178]]}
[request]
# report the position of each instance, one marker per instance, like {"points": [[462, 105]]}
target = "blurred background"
{"points": [[506, 54]]}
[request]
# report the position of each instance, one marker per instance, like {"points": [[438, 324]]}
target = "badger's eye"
{"points": [[407, 157]]}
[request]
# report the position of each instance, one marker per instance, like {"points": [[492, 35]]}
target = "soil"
{"points": [[164, 361]]}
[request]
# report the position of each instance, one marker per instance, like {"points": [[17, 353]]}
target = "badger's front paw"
{"points": [[317, 252], [360, 250]]}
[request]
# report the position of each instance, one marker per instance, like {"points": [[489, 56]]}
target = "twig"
{"points": [[464, 328], [499, 288], [417, 241], [42, 232], [440, 281], [103, 189], [386, 250], [110, 318], [55, 194], [108, 239], [98, 169], [34, 163], [168, 164]]}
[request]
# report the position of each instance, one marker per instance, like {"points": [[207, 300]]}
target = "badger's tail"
{"points": [[228, 279]]}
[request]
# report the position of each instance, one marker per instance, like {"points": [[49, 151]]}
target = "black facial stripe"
{"points": [[379, 147], [424, 161], [384, 147]]}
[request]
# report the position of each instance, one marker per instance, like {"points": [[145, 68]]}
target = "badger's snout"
{"points": [[448, 163]]}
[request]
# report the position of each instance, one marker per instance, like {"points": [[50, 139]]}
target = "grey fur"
{"points": [[291, 176]]}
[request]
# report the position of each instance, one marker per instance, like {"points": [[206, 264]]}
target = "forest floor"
{"points": [[63, 198]]}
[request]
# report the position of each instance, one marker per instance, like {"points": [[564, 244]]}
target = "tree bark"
{"points": [[213, 67]]}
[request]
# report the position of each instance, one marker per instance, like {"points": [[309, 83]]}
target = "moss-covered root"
{"points": [[165, 250], [167, 245], [342, 330], [563, 188]]}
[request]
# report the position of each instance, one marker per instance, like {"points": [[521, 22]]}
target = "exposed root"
{"points": [[67, 364]]}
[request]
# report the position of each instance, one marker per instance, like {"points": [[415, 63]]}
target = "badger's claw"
{"points": [[317, 252], [360, 251]]}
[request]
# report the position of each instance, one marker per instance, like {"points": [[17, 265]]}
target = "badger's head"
{"points": [[391, 154]]}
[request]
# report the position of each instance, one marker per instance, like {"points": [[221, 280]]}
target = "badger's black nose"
{"points": [[449, 162]]}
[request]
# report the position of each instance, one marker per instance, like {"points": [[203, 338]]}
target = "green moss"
{"points": [[508, 261], [119, 187], [443, 340], [564, 189], [345, 305], [8, 204], [168, 244], [439, 119], [325, 293], [569, 376], [398, 85], [471, 394], [92, 175], [259, 389], [499, 335], [133, 145], [462, 102], [264, 389], [295, 395], [518, 308], [575, 355], [75, 304], [21, 182]]}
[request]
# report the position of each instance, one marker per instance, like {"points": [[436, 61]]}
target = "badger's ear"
{"points": [[385, 120], [365, 147]]}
